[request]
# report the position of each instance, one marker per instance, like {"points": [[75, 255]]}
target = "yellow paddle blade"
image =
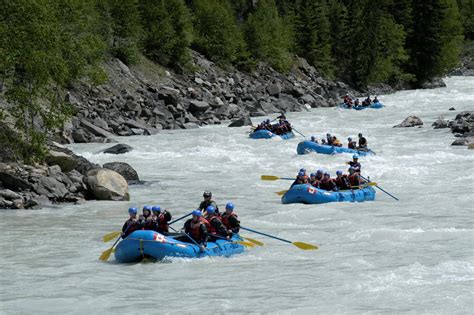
{"points": [[304, 246], [253, 241], [106, 254], [245, 243], [269, 177], [110, 236], [281, 193]]}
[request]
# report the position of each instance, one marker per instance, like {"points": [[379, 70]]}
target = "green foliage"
{"points": [[216, 32], [313, 34], [168, 32], [436, 40], [267, 35], [466, 8]]}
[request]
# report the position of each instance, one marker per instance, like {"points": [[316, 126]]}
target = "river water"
{"points": [[415, 255]]}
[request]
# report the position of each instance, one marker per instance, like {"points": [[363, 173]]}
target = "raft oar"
{"points": [[110, 236], [256, 242], [232, 241], [300, 245], [298, 132], [380, 188], [273, 177], [281, 192], [106, 254], [184, 216]]}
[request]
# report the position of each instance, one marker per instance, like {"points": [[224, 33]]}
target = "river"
{"points": [[413, 255]]}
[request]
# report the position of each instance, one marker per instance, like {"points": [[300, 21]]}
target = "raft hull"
{"points": [[265, 134], [376, 105], [150, 244], [307, 146], [308, 194]]}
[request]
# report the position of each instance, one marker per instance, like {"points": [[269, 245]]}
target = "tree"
{"points": [[466, 8], [267, 35], [216, 32], [168, 32], [436, 40]]}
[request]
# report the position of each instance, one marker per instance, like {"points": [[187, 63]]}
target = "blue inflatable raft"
{"points": [[150, 244], [307, 146], [376, 105], [308, 194], [265, 134]]}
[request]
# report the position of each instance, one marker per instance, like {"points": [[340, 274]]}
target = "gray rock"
{"points": [[118, 149], [460, 142], [309, 99], [51, 188], [440, 123], [80, 136], [242, 121], [9, 194], [169, 95], [96, 130], [14, 181], [274, 89], [123, 169], [410, 121], [99, 122], [106, 184], [452, 108], [198, 106], [65, 161], [198, 81], [190, 125]]}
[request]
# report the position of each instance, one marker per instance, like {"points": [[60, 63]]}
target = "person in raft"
{"points": [[131, 225], [231, 219], [355, 163], [207, 195], [196, 230], [216, 228], [362, 143], [342, 181], [161, 217]]}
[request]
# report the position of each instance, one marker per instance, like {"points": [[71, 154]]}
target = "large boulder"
{"points": [[118, 149], [440, 123], [123, 169], [460, 142], [410, 121], [105, 184], [198, 106], [65, 161], [463, 123], [242, 121], [274, 89]]}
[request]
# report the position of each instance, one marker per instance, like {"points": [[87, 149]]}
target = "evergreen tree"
{"points": [[168, 32], [340, 34], [216, 32], [267, 35], [313, 34], [437, 38], [466, 8]]}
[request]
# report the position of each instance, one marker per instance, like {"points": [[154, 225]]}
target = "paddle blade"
{"points": [[269, 177], [245, 243], [106, 254], [110, 236], [253, 241], [304, 246], [281, 193]]}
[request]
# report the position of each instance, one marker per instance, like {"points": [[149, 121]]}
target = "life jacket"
{"points": [[327, 184], [212, 229], [362, 142], [337, 143], [354, 179], [161, 223], [195, 229], [352, 145], [131, 225], [355, 165], [225, 219], [343, 182], [148, 224], [315, 183]]}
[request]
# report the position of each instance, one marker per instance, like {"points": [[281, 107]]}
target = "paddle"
{"points": [[256, 242], [380, 188], [281, 192], [110, 236], [273, 177], [106, 254], [298, 132], [184, 216], [300, 245], [232, 241], [201, 247]]}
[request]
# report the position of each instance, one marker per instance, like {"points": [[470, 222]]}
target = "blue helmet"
{"points": [[197, 213], [156, 209], [301, 174], [326, 173], [267, 121], [355, 156], [320, 171], [229, 206], [210, 210], [328, 135], [338, 172], [146, 208], [132, 210], [312, 174], [349, 139], [303, 170], [313, 138]]}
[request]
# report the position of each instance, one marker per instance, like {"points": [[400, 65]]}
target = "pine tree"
{"points": [[216, 32], [267, 35], [437, 38], [168, 32], [466, 8], [340, 34]]}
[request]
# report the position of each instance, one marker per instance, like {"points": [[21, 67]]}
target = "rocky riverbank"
{"points": [[462, 127], [144, 99]]}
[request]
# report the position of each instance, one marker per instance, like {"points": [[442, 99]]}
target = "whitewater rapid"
{"points": [[415, 255]]}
